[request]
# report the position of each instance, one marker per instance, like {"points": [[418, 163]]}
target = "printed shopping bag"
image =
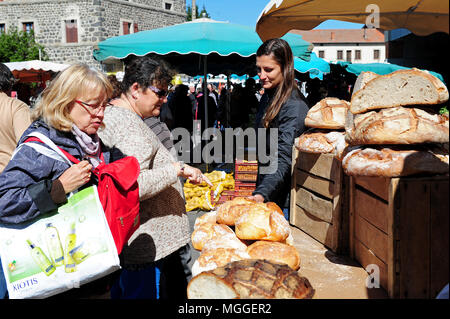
{"points": [[58, 251]]}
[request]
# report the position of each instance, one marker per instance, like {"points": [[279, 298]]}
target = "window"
{"points": [[136, 29], [357, 54], [340, 55], [321, 54], [71, 31], [167, 6], [28, 26], [376, 54], [348, 56], [126, 27], [2, 28]]}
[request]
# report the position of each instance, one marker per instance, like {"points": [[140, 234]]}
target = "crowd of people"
{"points": [[98, 119]]}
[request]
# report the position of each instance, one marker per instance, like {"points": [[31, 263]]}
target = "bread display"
{"points": [[207, 231], [228, 240], [213, 258], [276, 252], [250, 279], [398, 125], [257, 224], [399, 88], [329, 113], [321, 141], [394, 162], [210, 217], [362, 80]]}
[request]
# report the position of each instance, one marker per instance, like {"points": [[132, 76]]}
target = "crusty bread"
{"points": [[213, 258], [228, 214], [321, 141], [227, 240], [399, 88], [398, 125], [274, 251], [256, 224], [394, 162], [362, 80], [207, 231], [209, 217], [329, 113], [250, 279]]}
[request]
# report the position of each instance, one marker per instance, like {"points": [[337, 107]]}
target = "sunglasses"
{"points": [[92, 109], [161, 93]]}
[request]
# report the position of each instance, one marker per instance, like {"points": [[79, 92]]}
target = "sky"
{"points": [[246, 12]]}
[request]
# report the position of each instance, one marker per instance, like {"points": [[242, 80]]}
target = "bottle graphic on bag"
{"points": [[79, 254], [71, 241], [41, 259], [54, 245]]}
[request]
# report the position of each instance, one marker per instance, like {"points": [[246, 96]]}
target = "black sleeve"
{"points": [[40, 193]]}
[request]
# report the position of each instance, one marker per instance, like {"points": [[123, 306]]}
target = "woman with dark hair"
{"points": [[282, 108], [151, 265]]}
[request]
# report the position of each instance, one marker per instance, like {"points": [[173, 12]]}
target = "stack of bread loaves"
{"points": [[260, 232], [392, 128], [327, 118]]}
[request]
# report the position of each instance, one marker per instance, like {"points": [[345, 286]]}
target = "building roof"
{"points": [[341, 35]]}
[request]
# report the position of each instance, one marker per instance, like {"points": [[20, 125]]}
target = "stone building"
{"points": [[69, 29]]}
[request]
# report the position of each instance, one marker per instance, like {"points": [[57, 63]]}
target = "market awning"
{"points": [[34, 70], [316, 67], [421, 17]]}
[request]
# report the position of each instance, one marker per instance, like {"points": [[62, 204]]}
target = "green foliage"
{"points": [[20, 46], [443, 110], [199, 14]]}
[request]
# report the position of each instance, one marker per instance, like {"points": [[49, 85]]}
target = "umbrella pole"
{"points": [[205, 97], [228, 100]]}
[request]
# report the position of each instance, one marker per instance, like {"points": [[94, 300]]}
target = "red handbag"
{"points": [[118, 191]]}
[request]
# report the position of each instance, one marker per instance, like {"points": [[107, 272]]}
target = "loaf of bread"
{"points": [[398, 125], [276, 252], [250, 279], [230, 211], [213, 258], [328, 113], [321, 141], [209, 217], [257, 224], [399, 88], [228, 240], [207, 231], [394, 161], [362, 80]]}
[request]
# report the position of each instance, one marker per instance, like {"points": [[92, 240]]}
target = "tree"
{"points": [[199, 14], [20, 46]]}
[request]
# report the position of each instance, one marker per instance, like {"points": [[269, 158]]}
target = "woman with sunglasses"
{"points": [[69, 113], [151, 265]]}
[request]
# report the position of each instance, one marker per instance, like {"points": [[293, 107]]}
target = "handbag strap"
{"points": [[36, 136]]}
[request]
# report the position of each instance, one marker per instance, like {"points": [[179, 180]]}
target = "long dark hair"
{"points": [[281, 52]]}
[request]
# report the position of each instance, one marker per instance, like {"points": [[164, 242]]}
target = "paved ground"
{"points": [[332, 276]]}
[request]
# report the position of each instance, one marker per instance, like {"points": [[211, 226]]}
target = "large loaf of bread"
{"points": [[362, 80], [213, 258], [328, 113], [250, 279], [274, 251], [321, 141], [207, 231], [398, 125], [394, 161], [399, 88]]}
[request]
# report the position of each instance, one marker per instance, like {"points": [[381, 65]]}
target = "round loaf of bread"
{"points": [[276, 252], [250, 279], [322, 142], [257, 224], [213, 258], [399, 88], [207, 231], [394, 162], [328, 113], [398, 125], [225, 241], [209, 217]]}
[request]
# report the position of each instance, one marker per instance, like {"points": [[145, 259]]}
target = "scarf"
{"points": [[89, 144]]}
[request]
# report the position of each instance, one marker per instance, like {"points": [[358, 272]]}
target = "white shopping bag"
{"points": [[59, 251]]}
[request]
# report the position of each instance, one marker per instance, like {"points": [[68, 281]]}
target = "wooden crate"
{"points": [[319, 201], [402, 226]]}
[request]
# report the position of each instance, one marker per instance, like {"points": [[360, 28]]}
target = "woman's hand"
{"points": [[257, 198], [193, 174], [76, 176]]}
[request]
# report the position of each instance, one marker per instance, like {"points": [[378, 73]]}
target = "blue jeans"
{"points": [[286, 213], [3, 289]]}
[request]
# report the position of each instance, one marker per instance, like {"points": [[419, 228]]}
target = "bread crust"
{"points": [[329, 113], [322, 141], [276, 252]]}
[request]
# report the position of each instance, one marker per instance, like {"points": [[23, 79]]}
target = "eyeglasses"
{"points": [[92, 109], [161, 93]]}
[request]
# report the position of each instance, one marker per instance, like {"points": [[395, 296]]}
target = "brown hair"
{"points": [[281, 52]]}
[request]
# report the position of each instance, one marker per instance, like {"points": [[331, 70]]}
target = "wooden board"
{"points": [[376, 185], [317, 184], [371, 209], [314, 205], [322, 165], [366, 257]]}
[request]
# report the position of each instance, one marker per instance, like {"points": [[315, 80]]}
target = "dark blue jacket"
{"points": [[26, 181], [290, 123]]}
